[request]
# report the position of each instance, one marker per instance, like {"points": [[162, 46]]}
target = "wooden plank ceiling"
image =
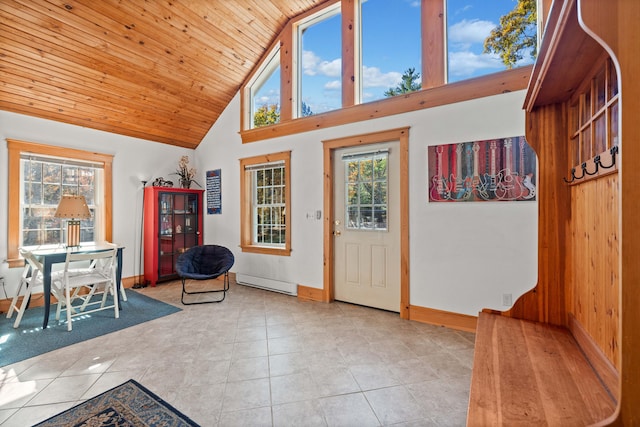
{"points": [[162, 70]]}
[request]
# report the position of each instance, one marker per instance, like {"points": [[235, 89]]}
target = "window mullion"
{"points": [[433, 20]]}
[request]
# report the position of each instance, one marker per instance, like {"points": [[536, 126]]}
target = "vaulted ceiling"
{"points": [[162, 70]]}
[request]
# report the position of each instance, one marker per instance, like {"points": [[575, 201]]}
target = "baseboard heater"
{"points": [[267, 284]]}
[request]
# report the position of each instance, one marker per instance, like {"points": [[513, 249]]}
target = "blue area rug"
{"points": [[129, 404], [30, 339]]}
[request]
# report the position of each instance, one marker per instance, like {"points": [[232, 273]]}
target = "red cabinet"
{"points": [[172, 224]]}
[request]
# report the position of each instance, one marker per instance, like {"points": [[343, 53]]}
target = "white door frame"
{"points": [[329, 147]]}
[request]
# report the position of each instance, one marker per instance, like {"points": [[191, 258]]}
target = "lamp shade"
{"points": [[73, 207]]}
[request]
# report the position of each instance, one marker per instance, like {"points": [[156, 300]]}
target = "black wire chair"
{"points": [[204, 263]]}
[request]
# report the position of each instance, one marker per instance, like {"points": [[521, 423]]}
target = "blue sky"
{"points": [[391, 45]]}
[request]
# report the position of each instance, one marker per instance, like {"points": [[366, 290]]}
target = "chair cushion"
{"points": [[204, 262]]}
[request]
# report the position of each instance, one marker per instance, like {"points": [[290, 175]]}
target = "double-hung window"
{"points": [[39, 175], [265, 204]]}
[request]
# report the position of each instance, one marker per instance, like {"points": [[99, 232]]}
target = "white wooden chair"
{"points": [[30, 281], [98, 279]]}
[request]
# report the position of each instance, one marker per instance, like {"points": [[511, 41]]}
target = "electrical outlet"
{"points": [[506, 300]]}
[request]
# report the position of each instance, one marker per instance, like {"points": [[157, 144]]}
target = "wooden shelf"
{"points": [[566, 56]]}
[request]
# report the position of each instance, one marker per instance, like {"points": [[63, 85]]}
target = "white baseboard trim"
{"points": [[267, 284]]}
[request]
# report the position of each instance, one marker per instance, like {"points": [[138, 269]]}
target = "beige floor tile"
{"points": [[6, 413], [290, 344], [257, 417], [246, 395], [31, 415], [250, 349], [393, 405], [373, 376], [334, 381], [293, 388], [94, 363], [16, 394], [285, 364], [203, 404], [348, 410], [308, 413], [109, 380], [64, 389], [260, 358], [249, 369]]}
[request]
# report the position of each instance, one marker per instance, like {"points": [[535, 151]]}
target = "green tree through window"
{"points": [[408, 84], [516, 34]]}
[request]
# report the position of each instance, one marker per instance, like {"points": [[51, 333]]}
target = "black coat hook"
{"points": [[613, 151], [573, 176], [596, 160]]}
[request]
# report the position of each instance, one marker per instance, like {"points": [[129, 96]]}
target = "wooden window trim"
{"points": [[15, 148], [246, 215]]}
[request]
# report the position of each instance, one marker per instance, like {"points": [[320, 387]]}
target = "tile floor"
{"points": [[260, 359]]}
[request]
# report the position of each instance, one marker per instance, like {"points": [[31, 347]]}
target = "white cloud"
{"points": [[331, 68], [463, 9], [309, 62], [467, 63], [373, 77], [312, 65], [468, 32], [333, 85]]}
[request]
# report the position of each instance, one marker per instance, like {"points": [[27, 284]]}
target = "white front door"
{"points": [[366, 228]]}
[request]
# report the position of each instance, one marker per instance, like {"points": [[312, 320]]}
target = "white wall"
{"points": [[133, 159], [464, 256]]}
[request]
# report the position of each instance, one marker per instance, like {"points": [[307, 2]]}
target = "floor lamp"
{"points": [[141, 283]]}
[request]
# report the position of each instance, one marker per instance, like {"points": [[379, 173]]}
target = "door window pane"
{"points": [[366, 184]]}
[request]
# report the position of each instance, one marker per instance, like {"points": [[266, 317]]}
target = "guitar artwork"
{"points": [[461, 190], [467, 186], [439, 186], [527, 181], [478, 186], [509, 186], [491, 179]]}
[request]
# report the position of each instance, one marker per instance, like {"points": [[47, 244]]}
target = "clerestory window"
{"points": [[349, 53], [319, 68], [265, 93]]}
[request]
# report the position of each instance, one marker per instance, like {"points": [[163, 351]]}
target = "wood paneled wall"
{"points": [[593, 266]]}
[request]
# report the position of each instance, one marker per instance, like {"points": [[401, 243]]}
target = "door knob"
{"points": [[337, 232]]}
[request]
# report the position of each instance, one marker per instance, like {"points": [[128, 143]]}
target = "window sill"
{"points": [[266, 250], [15, 263]]}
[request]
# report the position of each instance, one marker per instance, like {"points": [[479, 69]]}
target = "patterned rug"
{"points": [[127, 405]]}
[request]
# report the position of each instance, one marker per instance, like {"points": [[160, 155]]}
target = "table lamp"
{"points": [[73, 209]]}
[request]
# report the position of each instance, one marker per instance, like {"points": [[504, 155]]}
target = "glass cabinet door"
{"points": [[178, 228]]}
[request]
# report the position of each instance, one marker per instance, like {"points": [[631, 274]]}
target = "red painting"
{"points": [[492, 170]]}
